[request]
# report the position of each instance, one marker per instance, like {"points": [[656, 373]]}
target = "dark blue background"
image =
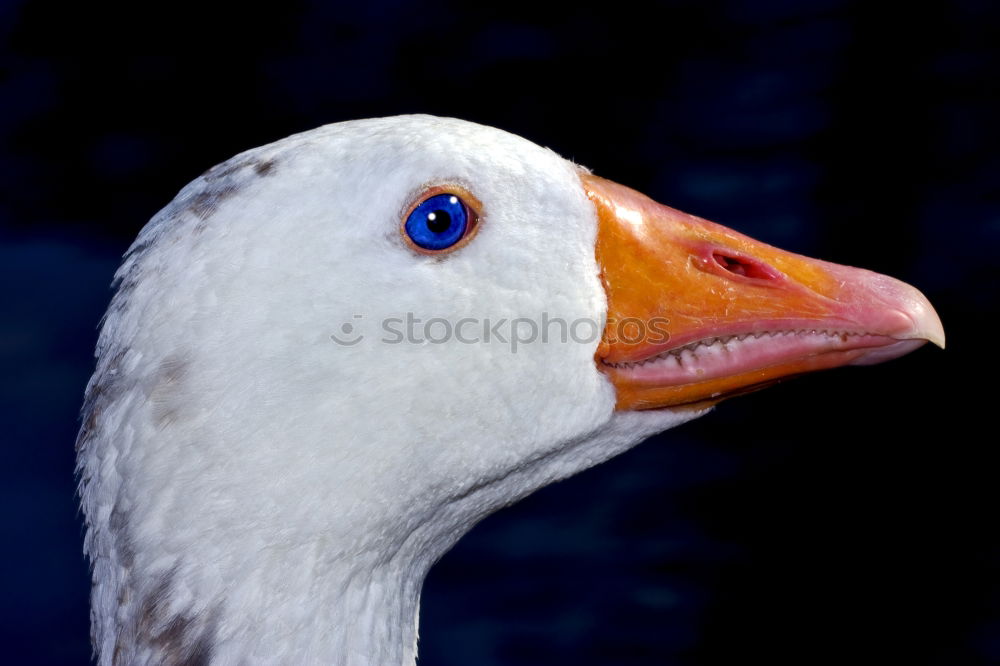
{"points": [[848, 517]]}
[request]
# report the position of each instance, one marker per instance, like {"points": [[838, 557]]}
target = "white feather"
{"points": [[257, 493]]}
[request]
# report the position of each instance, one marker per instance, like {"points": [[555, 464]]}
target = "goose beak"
{"points": [[698, 312]]}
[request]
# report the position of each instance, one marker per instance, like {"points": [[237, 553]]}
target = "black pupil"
{"points": [[439, 221]]}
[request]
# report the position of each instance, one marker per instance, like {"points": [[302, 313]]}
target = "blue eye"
{"points": [[438, 222]]}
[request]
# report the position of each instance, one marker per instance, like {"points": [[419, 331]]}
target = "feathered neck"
{"points": [[243, 592], [307, 610]]}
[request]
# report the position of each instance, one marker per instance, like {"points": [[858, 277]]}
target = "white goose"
{"points": [[268, 471]]}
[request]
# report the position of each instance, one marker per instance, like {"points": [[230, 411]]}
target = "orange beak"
{"points": [[698, 312]]}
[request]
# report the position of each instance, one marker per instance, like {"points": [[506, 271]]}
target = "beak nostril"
{"points": [[730, 264], [745, 267]]}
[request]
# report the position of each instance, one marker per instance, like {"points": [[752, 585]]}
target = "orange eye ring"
{"points": [[472, 206]]}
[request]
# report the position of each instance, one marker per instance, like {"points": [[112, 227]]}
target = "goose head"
{"points": [[329, 357]]}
